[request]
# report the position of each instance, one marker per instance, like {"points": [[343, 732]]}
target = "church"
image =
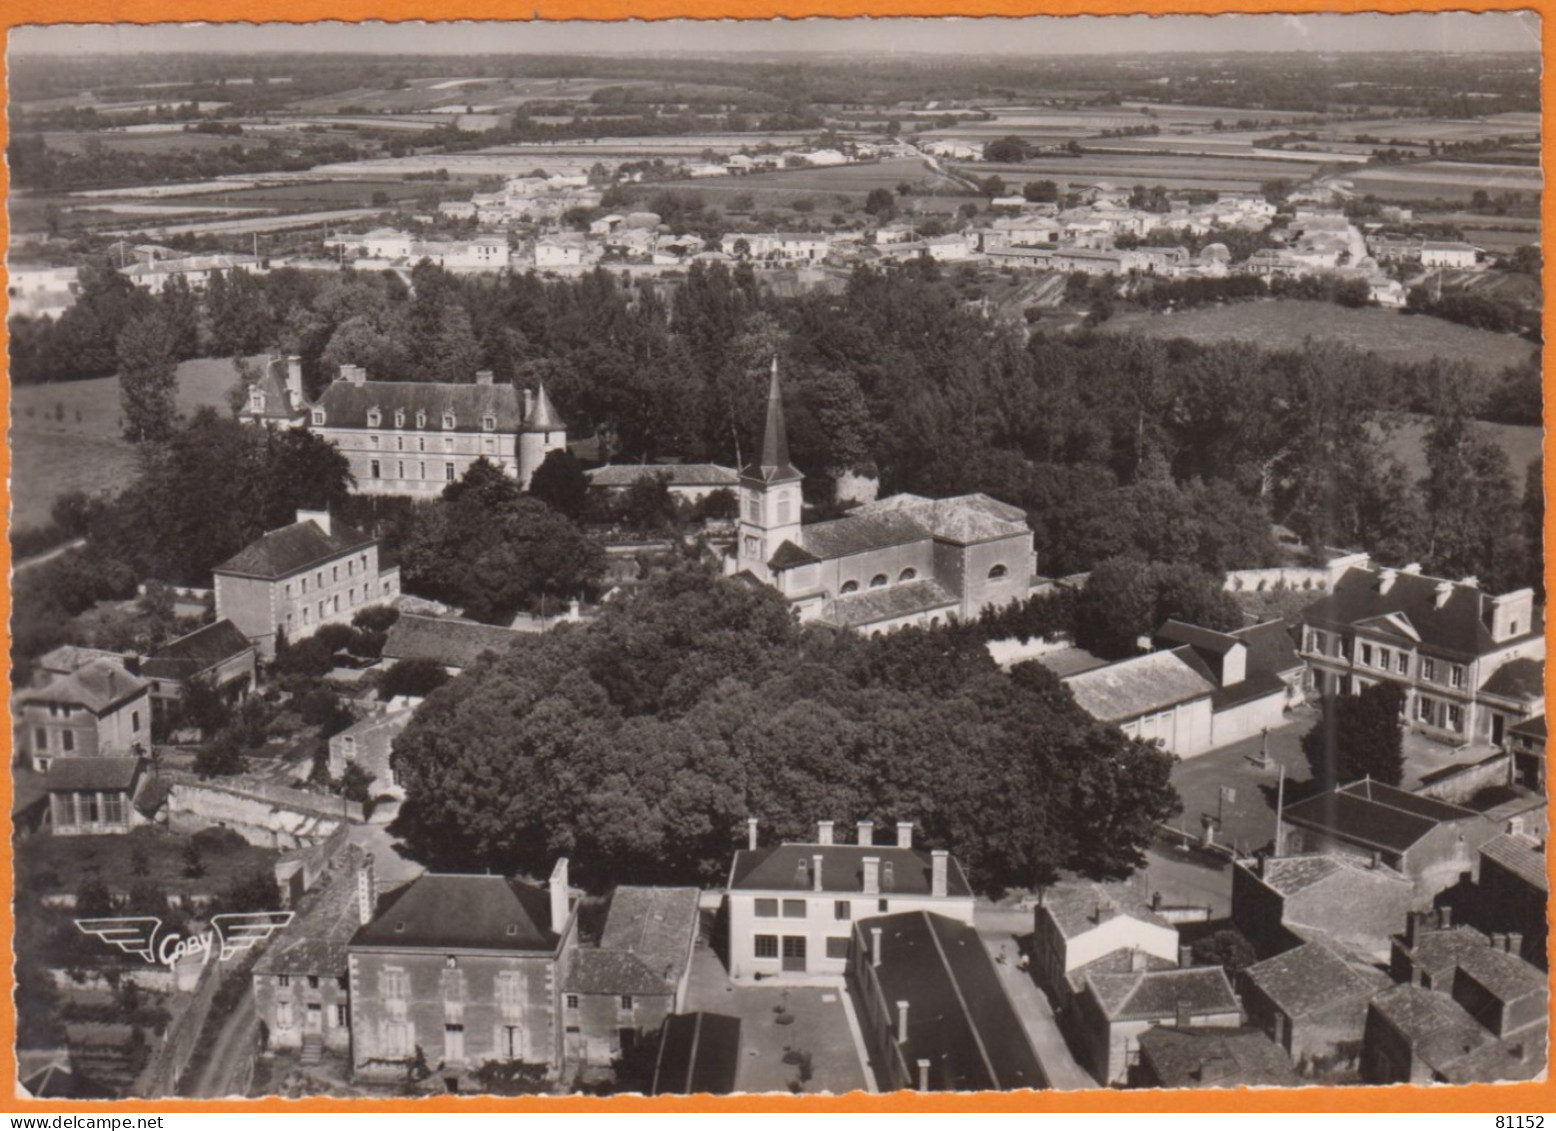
{"points": [[902, 560]]}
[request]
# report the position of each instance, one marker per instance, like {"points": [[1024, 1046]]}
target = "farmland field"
{"points": [[1276, 324], [1447, 179], [52, 452], [1520, 442], [1168, 170]]}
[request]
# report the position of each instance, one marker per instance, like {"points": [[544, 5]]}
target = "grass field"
{"points": [[68, 436], [1446, 179], [1276, 324], [1521, 442], [1168, 169]]}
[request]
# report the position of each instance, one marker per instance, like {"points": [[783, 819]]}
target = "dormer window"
{"points": [[374, 418], [421, 420], [257, 399], [318, 416], [997, 572], [488, 423], [399, 418], [448, 420]]}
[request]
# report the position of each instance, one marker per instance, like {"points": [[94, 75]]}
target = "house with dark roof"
{"points": [[275, 398], [217, 654], [791, 906], [1256, 671], [1312, 1002], [1420, 1036], [1443, 643], [414, 438], [1081, 926], [621, 990], [934, 1013], [448, 642], [1211, 1057], [292, 580], [462, 970], [1280, 902], [1432, 842], [692, 482], [1513, 890], [91, 796], [1111, 1012], [102, 709], [1483, 973], [894, 562]]}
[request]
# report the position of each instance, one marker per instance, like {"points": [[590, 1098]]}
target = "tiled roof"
{"points": [[196, 652], [612, 972], [1507, 977], [1375, 815], [1518, 855], [860, 533], [1437, 1028], [959, 1016], [72, 657], [1517, 679], [1256, 686], [1121, 961], [475, 912], [1271, 647], [1209, 1057], [1439, 951], [97, 686], [1078, 906], [656, 924], [1201, 990], [964, 519], [452, 643], [842, 869], [1456, 628], [346, 404], [871, 606], [1138, 686], [314, 942], [109, 774], [678, 474], [292, 549], [1289, 875], [1312, 977]]}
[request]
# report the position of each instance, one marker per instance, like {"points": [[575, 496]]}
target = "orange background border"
{"points": [[1504, 1098]]}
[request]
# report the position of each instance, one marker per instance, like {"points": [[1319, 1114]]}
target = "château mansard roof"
{"points": [[346, 405]]}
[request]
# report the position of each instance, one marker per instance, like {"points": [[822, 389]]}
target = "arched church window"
{"points": [[849, 587], [783, 511], [908, 574], [878, 581], [997, 572]]}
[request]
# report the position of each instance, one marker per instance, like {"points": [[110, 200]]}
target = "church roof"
{"points": [[774, 465], [871, 606], [789, 555], [964, 519], [860, 533]]}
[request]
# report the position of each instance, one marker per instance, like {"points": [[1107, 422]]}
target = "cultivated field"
{"points": [[1449, 180], [1276, 324], [1167, 169], [69, 436]]}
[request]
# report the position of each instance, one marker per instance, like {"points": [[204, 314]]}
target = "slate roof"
{"points": [[959, 1016], [1374, 815], [452, 643], [678, 474], [1179, 632], [107, 774], [98, 686], [72, 657], [196, 652], [777, 868], [789, 555], [1520, 856], [292, 549], [871, 606], [1073, 905], [1311, 978], [698, 1054], [278, 401], [1158, 993], [1530, 728], [1438, 951], [1208, 1057], [964, 519], [315, 941], [543, 416], [1457, 628], [1517, 679], [463, 912], [1256, 686], [773, 464], [346, 405], [1271, 647], [1138, 686], [861, 533]]}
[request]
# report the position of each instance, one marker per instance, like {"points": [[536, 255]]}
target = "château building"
{"points": [[902, 560]]}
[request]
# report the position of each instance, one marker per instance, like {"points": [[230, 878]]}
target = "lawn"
{"points": [[68, 436], [1521, 442], [1287, 324]]}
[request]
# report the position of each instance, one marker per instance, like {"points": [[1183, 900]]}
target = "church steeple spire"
{"points": [[774, 465]]}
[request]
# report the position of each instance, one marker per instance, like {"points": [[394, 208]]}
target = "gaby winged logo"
{"points": [[229, 934]]}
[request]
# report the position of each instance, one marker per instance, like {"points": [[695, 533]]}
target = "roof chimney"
{"points": [[1413, 568], [923, 1074], [904, 834], [751, 833], [866, 832], [483, 377], [367, 893], [321, 519], [902, 1022], [1444, 591], [294, 382], [558, 886], [875, 946], [937, 872], [1515, 943], [823, 832], [815, 872], [1184, 1015], [1136, 960], [872, 875], [1444, 918], [1185, 956], [1386, 580]]}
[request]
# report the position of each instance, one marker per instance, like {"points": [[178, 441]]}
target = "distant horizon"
{"points": [[1033, 37]]}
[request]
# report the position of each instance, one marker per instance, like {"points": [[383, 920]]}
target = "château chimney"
{"points": [[751, 824], [904, 834], [367, 892], [866, 832], [902, 1022], [938, 869], [923, 1074], [872, 875], [815, 872], [483, 377], [321, 519], [875, 946], [823, 832], [559, 903]]}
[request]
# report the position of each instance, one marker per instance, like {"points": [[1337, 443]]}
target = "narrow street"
{"points": [[233, 1051]]}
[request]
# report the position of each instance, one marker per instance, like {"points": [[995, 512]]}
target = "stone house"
{"points": [[1513, 891], [1312, 1002], [1111, 1011], [452, 644], [92, 796], [1280, 902], [368, 743], [1211, 1057], [1420, 1036], [217, 654], [1161, 697], [1079, 923], [101, 709]]}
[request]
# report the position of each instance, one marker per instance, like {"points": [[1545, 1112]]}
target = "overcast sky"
{"points": [[1449, 31]]}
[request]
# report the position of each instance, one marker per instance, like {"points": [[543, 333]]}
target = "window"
{"points": [[878, 581], [837, 947], [305, 585], [335, 574], [421, 472], [341, 1017], [321, 579], [766, 946], [399, 443], [625, 1003], [402, 469], [1366, 655], [783, 511], [113, 808], [399, 418], [1428, 668], [421, 421], [307, 615], [753, 508], [794, 909], [134, 722], [313, 981], [40, 739], [1385, 659], [284, 980], [318, 416], [510, 993], [67, 741], [488, 423], [767, 909], [374, 419], [572, 1001], [884, 905], [842, 910], [489, 446], [453, 1042], [997, 572], [1424, 709], [1402, 663], [908, 574], [1456, 676], [448, 420], [374, 472], [849, 587], [448, 472], [283, 1014], [1456, 718]]}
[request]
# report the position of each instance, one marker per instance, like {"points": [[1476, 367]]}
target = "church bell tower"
{"points": [[769, 495]]}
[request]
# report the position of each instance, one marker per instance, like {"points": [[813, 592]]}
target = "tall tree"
{"points": [[1358, 736], [148, 379]]}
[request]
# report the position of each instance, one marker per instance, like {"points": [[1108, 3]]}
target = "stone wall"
{"points": [[1465, 782], [265, 815]]}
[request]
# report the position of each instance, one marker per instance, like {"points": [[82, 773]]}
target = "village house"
{"points": [[452, 644], [275, 399], [1159, 697], [791, 907], [1280, 902], [896, 561], [1081, 926], [40, 292], [624, 989], [933, 1011], [1208, 1057], [367, 744], [291, 581], [99, 710], [1437, 253], [1312, 1002], [1443, 643], [218, 655], [1525, 741], [691, 482], [1483, 973], [194, 270], [92, 796], [461, 971], [1111, 1012], [1513, 890], [1419, 1036], [808, 247], [416, 437]]}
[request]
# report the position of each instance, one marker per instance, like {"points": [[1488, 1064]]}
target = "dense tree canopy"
{"points": [[1358, 736], [639, 744]]}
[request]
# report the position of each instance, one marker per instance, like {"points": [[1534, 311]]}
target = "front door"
{"points": [[1498, 724], [315, 1017], [794, 953]]}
